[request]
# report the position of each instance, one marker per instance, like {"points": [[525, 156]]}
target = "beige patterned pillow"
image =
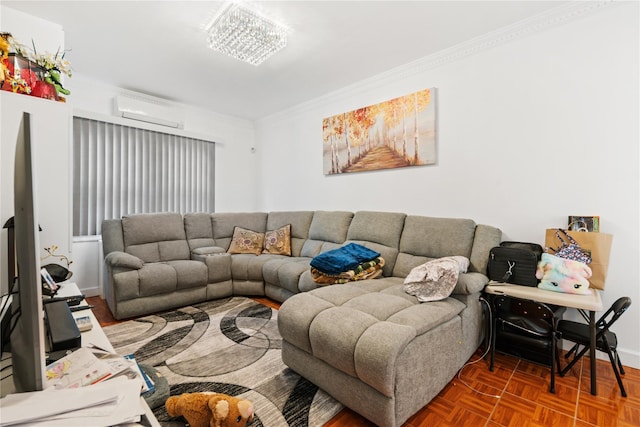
{"points": [[246, 242], [278, 241]]}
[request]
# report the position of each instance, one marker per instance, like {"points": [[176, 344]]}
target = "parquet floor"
{"points": [[522, 390]]}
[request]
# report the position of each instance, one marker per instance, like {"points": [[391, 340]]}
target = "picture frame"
{"points": [[396, 133], [583, 223]]}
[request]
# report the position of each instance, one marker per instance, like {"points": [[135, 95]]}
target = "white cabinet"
{"points": [[51, 127]]}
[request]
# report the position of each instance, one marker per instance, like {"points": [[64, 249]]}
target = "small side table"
{"points": [[590, 303]]}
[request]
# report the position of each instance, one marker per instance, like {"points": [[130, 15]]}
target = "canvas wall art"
{"points": [[396, 133]]}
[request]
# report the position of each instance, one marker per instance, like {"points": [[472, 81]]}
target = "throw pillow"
{"points": [[246, 242], [278, 241], [435, 280]]}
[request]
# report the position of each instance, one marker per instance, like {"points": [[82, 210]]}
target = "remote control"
{"points": [[80, 307], [72, 300]]}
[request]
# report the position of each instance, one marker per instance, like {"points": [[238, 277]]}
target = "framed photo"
{"points": [[584, 223]]}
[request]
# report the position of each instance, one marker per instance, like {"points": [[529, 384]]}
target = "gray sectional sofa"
{"points": [[368, 343]]}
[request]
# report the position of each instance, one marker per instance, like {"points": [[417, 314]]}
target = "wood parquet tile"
{"points": [[523, 389]]}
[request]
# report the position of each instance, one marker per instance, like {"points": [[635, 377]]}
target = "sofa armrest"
{"points": [[207, 250], [123, 260], [470, 283]]}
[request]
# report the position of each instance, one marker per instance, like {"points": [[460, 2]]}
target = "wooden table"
{"points": [[591, 303]]}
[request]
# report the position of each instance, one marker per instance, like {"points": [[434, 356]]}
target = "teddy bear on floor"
{"points": [[563, 275], [208, 409]]}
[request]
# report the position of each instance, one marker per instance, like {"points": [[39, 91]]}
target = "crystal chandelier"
{"points": [[245, 35]]}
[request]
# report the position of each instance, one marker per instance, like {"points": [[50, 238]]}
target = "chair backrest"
{"points": [[614, 312]]}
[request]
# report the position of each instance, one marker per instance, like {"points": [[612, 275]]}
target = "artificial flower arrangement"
{"points": [[51, 253], [32, 73], [57, 272]]}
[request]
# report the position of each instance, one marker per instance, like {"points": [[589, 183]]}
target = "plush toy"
{"points": [[209, 409], [563, 275], [53, 77]]}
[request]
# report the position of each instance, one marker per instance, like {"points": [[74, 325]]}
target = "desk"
{"points": [[95, 336], [590, 303]]}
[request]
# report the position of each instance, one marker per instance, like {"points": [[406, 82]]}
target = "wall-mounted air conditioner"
{"points": [[147, 110]]}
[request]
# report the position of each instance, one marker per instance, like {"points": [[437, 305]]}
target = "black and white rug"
{"points": [[227, 346]]}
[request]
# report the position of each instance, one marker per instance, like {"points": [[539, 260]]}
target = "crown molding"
{"points": [[519, 30]]}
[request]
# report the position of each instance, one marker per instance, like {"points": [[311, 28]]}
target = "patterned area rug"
{"points": [[227, 346]]}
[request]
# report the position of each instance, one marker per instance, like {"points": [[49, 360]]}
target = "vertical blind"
{"points": [[120, 170]]}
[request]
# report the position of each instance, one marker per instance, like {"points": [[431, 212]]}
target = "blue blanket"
{"points": [[343, 259]]}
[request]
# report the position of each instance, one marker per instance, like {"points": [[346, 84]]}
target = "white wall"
{"points": [[50, 125], [47, 36], [51, 130], [530, 131]]}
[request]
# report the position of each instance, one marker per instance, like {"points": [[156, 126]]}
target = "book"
{"points": [[147, 383], [84, 323]]}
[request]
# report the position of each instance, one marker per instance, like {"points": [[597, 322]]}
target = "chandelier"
{"points": [[246, 35]]}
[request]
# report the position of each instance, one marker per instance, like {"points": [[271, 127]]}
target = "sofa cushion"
{"points": [[361, 330], [278, 241], [155, 237], [379, 231], [285, 272], [246, 242], [384, 228], [190, 274], [157, 278], [197, 227], [326, 226], [317, 247], [248, 267], [426, 238]]}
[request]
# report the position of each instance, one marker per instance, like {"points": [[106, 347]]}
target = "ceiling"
{"points": [[159, 47]]}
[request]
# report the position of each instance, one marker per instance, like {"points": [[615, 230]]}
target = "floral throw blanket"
{"points": [[435, 280], [366, 270]]}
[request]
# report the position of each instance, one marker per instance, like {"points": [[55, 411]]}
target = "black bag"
{"points": [[514, 262]]}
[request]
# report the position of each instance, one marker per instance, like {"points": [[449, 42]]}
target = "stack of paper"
{"points": [[82, 368], [109, 403], [87, 366]]}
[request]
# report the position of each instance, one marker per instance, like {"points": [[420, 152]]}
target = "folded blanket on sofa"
{"points": [[366, 270], [435, 280], [343, 259]]}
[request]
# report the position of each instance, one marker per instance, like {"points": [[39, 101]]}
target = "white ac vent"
{"points": [[147, 110]]}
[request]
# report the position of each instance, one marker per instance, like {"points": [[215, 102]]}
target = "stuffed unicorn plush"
{"points": [[563, 275]]}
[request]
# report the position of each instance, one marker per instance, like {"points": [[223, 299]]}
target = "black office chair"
{"points": [[527, 329], [606, 340]]}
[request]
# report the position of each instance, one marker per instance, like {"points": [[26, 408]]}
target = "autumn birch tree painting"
{"points": [[396, 133]]}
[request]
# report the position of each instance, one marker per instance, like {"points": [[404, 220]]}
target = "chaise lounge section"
{"points": [[377, 349]]}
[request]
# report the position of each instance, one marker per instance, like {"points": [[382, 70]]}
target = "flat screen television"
{"points": [[28, 332]]}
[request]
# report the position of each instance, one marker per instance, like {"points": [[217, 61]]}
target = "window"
{"points": [[119, 170]]}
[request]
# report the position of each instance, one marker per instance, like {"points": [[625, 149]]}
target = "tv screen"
{"points": [[27, 333]]}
